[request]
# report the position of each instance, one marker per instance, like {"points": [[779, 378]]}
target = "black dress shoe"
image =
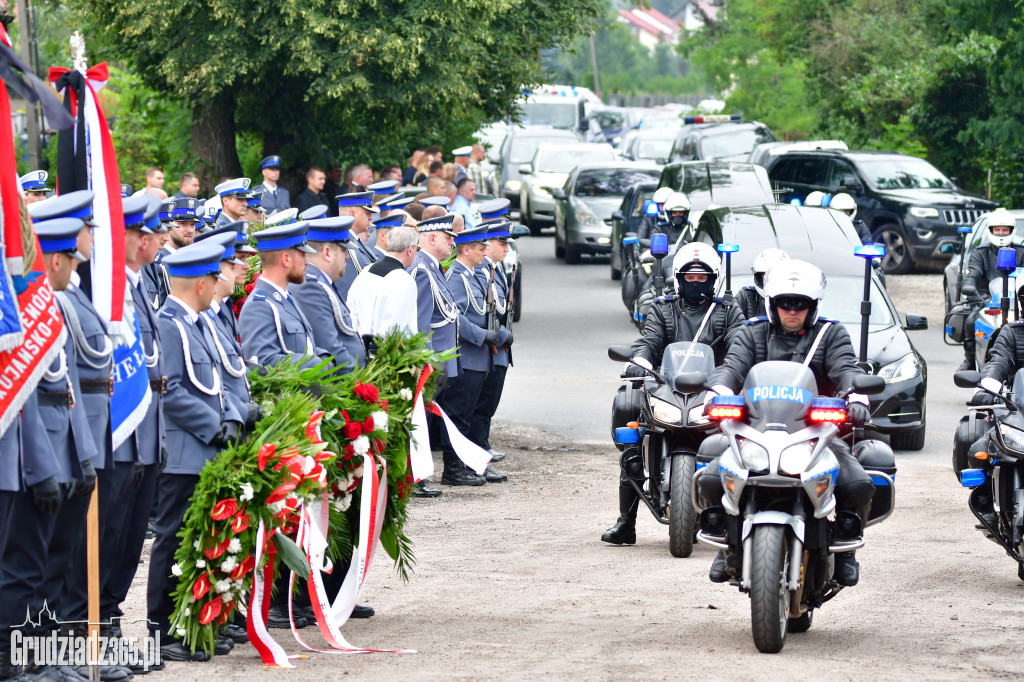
{"points": [[492, 476], [108, 673], [223, 646], [496, 456], [361, 611], [236, 633], [462, 477], [421, 490], [151, 529], [623, 532], [173, 650], [718, 573], [278, 620]]}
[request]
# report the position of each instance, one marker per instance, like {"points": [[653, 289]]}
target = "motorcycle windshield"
{"points": [[686, 356], [778, 395], [1018, 389]]}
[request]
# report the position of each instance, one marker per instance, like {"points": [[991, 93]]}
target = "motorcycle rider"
{"points": [[981, 270], [793, 328], [677, 214], [845, 203], [750, 299], [692, 314], [655, 222]]}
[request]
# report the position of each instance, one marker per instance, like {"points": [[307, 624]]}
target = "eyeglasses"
{"points": [[795, 303]]}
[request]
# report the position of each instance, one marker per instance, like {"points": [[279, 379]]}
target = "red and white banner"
{"points": [[271, 652]]}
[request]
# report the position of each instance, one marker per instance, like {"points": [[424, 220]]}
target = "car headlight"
{"points": [[753, 456], [924, 212], [1014, 438], [537, 189], [904, 369], [513, 185], [794, 460], [585, 218], [616, 140], [665, 412], [696, 415]]}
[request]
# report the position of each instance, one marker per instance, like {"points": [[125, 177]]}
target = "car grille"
{"points": [[962, 216]]}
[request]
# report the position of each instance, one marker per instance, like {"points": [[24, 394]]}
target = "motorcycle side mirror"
{"points": [[642, 363], [967, 378], [690, 382], [970, 291], [620, 353], [520, 231], [868, 384]]}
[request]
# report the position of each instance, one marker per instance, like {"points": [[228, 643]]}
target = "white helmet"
{"points": [[677, 201], [696, 257], [794, 278], [1001, 218], [814, 198], [661, 195], [845, 203], [763, 262]]}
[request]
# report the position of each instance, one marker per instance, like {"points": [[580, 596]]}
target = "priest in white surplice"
{"points": [[383, 296]]}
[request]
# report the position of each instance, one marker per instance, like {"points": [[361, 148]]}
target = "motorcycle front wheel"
{"points": [[680, 520], [769, 594]]}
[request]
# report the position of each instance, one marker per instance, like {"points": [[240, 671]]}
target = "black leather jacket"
{"points": [[652, 225], [1007, 354], [981, 268], [750, 303], [834, 363], [671, 320]]}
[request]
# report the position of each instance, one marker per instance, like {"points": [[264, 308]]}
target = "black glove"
{"points": [[83, 486], [635, 371], [255, 414], [226, 435], [138, 472], [46, 496], [508, 341], [858, 414], [491, 338], [983, 398], [164, 455]]}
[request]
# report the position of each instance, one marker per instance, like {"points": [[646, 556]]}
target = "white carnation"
{"points": [[200, 563], [307, 465], [191, 599], [342, 503], [380, 420], [247, 492], [180, 632], [361, 445], [405, 394], [187, 611], [195, 544], [357, 473], [176, 571], [275, 507], [229, 564], [235, 546], [222, 585]]}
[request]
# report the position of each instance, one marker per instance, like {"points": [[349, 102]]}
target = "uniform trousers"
{"points": [[486, 406], [22, 567], [458, 400], [6, 505], [68, 534], [127, 551], [175, 492]]}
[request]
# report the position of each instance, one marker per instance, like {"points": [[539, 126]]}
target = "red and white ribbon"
{"points": [[472, 455], [420, 459], [271, 652]]}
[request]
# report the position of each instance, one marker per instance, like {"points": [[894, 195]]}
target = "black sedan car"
{"points": [[827, 239]]}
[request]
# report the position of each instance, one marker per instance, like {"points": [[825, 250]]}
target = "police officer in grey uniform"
{"points": [[462, 393], [271, 325], [234, 200], [334, 330], [360, 206], [275, 197], [199, 420]]}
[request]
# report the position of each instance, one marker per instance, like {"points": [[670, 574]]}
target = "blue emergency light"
{"points": [[624, 435], [650, 208], [728, 248], [795, 201], [972, 478], [870, 251], [826, 199], [630, 240], [718, 118], [964, 229], [659, 244], [1006, 260]]}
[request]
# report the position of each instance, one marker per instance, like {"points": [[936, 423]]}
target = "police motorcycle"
{"points": [[779, 476], [995, 474], [638, 287]]}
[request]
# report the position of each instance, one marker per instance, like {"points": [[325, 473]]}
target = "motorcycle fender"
{"points": [[666, 474], [773, 518], [1018, 508]]}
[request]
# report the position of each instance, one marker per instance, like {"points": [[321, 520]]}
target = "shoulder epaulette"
{"points": [[822, 318], [755, 320], [259, 296], [164, 312]]}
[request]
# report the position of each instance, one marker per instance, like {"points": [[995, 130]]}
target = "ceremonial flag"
{"points": [[132, 393]]}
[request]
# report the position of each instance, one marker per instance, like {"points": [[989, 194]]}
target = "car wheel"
{"points": [[616, 271], [517, 287], [572, 254], [897, 260], [910, 440], [559, 249]]}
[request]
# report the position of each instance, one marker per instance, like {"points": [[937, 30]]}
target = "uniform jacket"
{"points": [[333, 328], [470, 296], [503, 357], [194, 405], [272, 327], [437, 315], [91, 340], [222, 220], [276, 199], [670, 320], [26, 454], [363, 256], [234, 372], [981, 268], [750, 303], [834, 363]]}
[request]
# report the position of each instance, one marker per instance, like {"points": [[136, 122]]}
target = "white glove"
{"points": [[716, 391]]}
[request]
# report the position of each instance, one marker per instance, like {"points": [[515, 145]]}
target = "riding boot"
{"points": [[847, 532], [718, 573], [969, 350], [624, 530]]}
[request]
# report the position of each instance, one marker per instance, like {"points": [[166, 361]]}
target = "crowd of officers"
{"points": [[326, 287]]}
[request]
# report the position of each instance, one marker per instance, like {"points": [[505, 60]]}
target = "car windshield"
{"points": [[903, 173], [557, 114], [737, 142], [609, 119], [523, 148], [654, 148], [611, 182], [564, 160]]}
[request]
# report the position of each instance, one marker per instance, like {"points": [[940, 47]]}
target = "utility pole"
{"points": [[593, 64], [25, 47]]}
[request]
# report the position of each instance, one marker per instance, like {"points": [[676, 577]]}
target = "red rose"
{"points": [[265, 454], [348, 452], [280, 492], [368, 425], [240, 523], [367, 392], [201, 586], [353, 430], [248, 288], [210, 610], [224, 509], [218, 549]]}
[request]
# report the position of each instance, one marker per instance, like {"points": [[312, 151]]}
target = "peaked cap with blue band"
{"points": [[272, 161], [360, 199], [71, 205], [472, 235], [198, 259], [34, 181], [60, 235], [224, 237], [135, 209], [238, 187], [495, 208], [290, 236], [439, 224], [335, 230]]}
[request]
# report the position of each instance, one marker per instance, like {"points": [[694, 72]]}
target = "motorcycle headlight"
{"points": [[794, 460], [1013, 437], [665, 411], [753, 456], [924, 212], [585, 218], [696, 415], [904, 369], [513, 185]]}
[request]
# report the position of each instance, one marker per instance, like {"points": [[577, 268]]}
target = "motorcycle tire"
{"points": [[681, 514], [769, 596], [801, 624]]}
